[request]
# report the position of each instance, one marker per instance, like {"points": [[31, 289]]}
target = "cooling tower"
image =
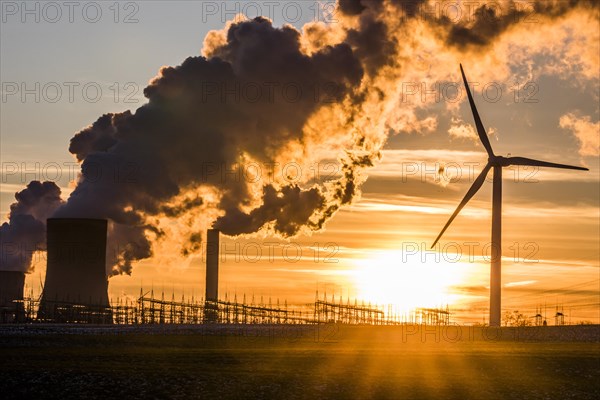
{"points": [[76, 287], [212, 276], [11, 296]]}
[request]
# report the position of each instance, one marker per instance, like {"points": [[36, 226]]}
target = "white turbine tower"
{"points": [[497, 163]]}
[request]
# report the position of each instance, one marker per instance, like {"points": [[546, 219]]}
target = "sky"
{"points": [[538, 98]]}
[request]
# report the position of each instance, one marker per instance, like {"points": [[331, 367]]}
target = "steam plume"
{"points": [[25, 231]]}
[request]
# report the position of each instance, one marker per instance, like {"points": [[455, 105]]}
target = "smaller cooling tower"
{"points": [[76, 287], [11, 296]]}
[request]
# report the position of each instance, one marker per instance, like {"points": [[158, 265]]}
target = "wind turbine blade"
{"points": [[480, 129], [474, 188], [537, 163]]}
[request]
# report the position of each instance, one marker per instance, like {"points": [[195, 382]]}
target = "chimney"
{"points": [[212, 276], [76, 287], [11, 296], [212, 265]]}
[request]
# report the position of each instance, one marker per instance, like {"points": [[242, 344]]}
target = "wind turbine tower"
{"points": [[497, 163]]}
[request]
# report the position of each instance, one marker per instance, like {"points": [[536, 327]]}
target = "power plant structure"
{"points": [[76, 285], [76, 291], [11, 296], [212, 276]]}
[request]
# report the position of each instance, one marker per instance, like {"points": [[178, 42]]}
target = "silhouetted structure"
{"points": [[539, 318], [353, 314], [496, 163], [76, 288], [151, 309], [11, 296], [76, 291], [212, 275], [559, 317]]}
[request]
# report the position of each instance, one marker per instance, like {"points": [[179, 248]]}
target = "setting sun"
{"points": [[406, 281]]}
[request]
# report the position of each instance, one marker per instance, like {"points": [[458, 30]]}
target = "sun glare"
{"points": [[407, 282]]}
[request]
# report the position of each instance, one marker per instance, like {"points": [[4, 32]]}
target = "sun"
{"points": [[407, 282]]}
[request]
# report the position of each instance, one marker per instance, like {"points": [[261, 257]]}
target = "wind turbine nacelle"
{"points": [[499, 161]]}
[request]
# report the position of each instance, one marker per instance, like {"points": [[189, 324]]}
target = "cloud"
{"points": [[460, 130], [586, 132]]}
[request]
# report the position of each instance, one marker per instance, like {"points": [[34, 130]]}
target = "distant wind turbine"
{"points": [[496, 162]]}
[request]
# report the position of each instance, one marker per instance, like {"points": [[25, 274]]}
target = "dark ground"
{"points": [[298, 362]]}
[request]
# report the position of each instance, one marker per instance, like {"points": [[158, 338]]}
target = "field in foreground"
{"points": [[299, 362]]}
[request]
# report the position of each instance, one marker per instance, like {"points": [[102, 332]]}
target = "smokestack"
{"points": [[212, 276], [11, 296], [212, 265], [76, 288]]}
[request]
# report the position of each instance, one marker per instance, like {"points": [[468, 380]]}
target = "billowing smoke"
{"points": [[25, 231], [219, 133]]}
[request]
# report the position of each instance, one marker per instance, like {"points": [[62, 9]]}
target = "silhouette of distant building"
{"points": [[11, 296]]}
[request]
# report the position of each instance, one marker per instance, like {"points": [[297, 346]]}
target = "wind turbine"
{"points": [[497, 163]]}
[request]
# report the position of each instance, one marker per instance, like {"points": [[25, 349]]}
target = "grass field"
{"points": [[298, 362]]}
